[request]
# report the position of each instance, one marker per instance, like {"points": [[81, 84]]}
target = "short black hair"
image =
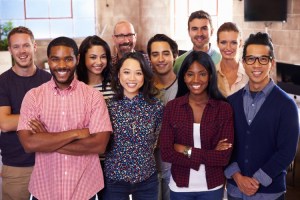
{"points": [[163, 38], [63, 41], [260, 39]]}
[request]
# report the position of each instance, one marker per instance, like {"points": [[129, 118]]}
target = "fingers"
{"points": [[224, 140], [37, 126], [254, 182], [247, 185], [223, 145]]}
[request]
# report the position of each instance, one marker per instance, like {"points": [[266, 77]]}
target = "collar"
{"points": [[266, 90], [184, 100], [210, 51], [71, 87], [137, 98]]}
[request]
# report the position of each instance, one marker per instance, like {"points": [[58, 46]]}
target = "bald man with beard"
{"points": [[124, 38]]}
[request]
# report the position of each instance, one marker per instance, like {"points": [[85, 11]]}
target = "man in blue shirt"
{"points": [[266, 128]]}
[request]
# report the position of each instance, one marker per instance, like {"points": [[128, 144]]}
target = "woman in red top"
{"points": [[197, 132]]}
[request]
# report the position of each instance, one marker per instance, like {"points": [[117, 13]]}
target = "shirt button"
{"points": [[66, 172], [249, 120], [66, 157], [246, 161]]}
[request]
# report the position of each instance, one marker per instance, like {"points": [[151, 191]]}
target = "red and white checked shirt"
{"points": [[60, 176]]}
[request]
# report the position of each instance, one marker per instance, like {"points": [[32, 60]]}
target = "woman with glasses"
{"points": [[231, 74]]}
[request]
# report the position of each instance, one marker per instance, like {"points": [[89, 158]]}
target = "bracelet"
{"points": [[187, 151]]}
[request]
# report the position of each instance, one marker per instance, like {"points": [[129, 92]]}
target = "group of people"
{"points": [[164, 127]]}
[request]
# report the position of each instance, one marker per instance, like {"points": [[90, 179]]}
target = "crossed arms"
{"points": [[71, 142]]}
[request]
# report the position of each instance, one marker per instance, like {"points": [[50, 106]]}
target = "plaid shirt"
{"points": [[177, 127], [60, 176]]}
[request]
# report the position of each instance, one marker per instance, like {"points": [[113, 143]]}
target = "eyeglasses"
{"points": [[263, 60], [122, 36]]}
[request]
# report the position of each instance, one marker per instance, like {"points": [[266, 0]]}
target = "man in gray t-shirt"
{"points": [[162, 52]]}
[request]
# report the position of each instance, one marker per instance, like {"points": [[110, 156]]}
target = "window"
{"points": [[51, 18], [220, 11]]}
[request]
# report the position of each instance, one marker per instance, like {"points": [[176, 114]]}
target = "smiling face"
{"points": [[196, 79], [200, 32], [259, 75], [229, 42], [124, 38], [131, 77], [62, 62], [22, 49], [95, 60], [162, 58]]}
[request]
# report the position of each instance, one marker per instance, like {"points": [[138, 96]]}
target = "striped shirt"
{"points": [[107, 93], [60, 176]]}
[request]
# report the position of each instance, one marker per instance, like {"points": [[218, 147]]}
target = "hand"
{"points": [[82, 133], [246, 185], [223, 145], [37, 126], [179, 148]]}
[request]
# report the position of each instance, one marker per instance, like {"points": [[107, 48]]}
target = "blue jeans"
{"points": [[209, 195], [282, 197], [120, 190]]}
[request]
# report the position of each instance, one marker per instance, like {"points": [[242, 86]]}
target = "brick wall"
{"points": [[285, 36]]}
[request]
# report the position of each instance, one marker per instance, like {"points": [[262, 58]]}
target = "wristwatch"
{"points": [[187, 151]]}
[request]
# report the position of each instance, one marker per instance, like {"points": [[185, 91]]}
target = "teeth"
{"points": [[257, 73], [23, 57], [196, 86], [131, 84], [62, 72]]}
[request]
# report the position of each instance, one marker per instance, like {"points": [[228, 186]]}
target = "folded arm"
{"points": [[49, 142], [94, 143], [8, 121]]}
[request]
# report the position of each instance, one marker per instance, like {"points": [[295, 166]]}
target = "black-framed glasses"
{"points": [[263, 60], [122, 36]]}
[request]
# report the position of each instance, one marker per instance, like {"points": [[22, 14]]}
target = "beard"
{"points": [[129, 47], [65, 81]]}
